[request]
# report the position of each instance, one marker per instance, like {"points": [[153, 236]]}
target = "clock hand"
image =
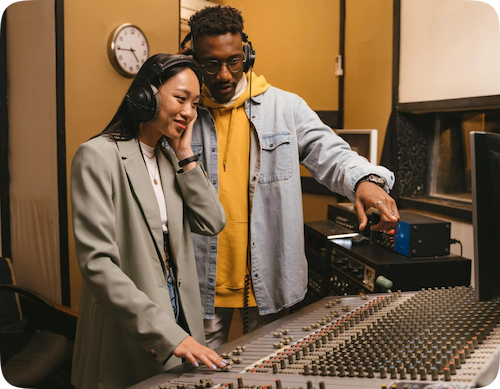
{"points": [[119, 48], [133, 52]]}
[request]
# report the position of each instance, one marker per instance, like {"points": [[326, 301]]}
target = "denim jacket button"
{"points": [[211, 280], [213, 150], [214, 182], [256, 275]]}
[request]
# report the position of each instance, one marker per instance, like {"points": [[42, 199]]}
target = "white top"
{"points": [[154, 175]]}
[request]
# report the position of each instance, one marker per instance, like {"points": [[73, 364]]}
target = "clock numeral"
{"points": [[124, 64], [132, 31], [131, 68], [137, 67], [144, 52], [142, 60], [142, 43], [121, 38], [120, 57]]}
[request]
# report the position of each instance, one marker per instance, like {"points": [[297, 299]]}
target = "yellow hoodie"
{"points": [[233, 141]]}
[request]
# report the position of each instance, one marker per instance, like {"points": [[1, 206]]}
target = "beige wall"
{"points": [[33, 146], [94, 89], [368, 67], [296, 43], [311, 32]]}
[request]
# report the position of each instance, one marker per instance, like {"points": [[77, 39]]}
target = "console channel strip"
{"points": [[437, 338]]}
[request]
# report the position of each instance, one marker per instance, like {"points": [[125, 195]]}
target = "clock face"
{"points": [[128, 49]]}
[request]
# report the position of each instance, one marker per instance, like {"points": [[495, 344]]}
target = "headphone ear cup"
{"points": [[250, 57], [144, 103]]}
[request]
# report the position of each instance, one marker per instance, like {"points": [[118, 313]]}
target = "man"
{"points": [[251, 149]]}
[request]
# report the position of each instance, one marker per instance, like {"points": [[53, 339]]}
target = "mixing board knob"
{"points": [[240, 382], [447, 374], [434, 374], [332, 369], [278, 384]]}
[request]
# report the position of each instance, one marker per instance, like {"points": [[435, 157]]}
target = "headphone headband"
{"points": [[248, 50], [143, 99]]}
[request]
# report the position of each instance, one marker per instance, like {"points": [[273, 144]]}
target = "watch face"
{"points": [[128, 49]]}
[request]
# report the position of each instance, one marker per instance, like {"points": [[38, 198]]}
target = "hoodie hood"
{"points": [[259, 86]]}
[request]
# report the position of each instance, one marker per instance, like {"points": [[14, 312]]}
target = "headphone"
{"points": [[143, 99], [248, 50]]}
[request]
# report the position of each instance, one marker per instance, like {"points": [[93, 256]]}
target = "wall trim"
{"points": [[4, 145], [462, 104], [61, 154], [340, 120], [455, 209], [396, 43]]}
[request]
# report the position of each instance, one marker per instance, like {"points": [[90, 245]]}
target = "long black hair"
{"points": [[124, 126]]}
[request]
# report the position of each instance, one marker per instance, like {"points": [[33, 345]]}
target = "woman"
{"points": [[135, 204]]}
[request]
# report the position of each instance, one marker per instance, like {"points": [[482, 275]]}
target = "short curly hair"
{"points": [[216, 20]]}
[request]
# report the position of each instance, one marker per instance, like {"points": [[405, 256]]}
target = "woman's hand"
{"points": [[182, 145], [190, 349]]}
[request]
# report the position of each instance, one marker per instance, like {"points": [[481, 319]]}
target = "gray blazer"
{"points": [[126, 330]]}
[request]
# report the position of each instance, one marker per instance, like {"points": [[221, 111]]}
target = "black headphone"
{"points": [[143, 99], [248, 50]]}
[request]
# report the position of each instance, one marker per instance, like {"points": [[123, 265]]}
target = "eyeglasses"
{"points": [[234, 65]]}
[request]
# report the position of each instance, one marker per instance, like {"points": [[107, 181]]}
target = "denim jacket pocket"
{"points": [[276, 157]]}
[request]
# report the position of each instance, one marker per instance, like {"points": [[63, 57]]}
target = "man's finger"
{"points": [[360, 211]]}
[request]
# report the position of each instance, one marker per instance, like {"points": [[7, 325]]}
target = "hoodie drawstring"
{"points": [[229, 135]]}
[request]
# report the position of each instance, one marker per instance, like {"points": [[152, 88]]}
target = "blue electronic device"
{"points": [[418, 235]]}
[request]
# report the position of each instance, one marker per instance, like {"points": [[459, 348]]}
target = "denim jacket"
{"points": [[287, 133]]}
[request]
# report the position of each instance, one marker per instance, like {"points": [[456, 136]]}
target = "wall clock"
{"points": [[128, 49]]}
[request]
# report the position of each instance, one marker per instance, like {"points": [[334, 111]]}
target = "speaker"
{"points": [[143, 98], [248, 50]]}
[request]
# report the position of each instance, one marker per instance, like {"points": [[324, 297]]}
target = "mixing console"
{"points": [[431, 339]]}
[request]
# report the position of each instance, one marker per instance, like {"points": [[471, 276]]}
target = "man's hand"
{"points": [[190, 349], [370, 195]]}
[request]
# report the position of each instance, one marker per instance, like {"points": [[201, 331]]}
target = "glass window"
{"points": [[450, 170]]}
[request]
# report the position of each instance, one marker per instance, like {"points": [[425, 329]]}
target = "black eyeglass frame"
{"points": [[243, 60]]}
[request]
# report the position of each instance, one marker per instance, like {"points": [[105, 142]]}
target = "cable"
{"points": [[453, 241], [249, 255], [245, 304]]}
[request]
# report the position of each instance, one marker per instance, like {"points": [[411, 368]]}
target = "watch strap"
{"points": [[190, 159], [377, 180]]}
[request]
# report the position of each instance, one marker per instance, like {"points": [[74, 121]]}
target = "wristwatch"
{"points": [[377, 180]]}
